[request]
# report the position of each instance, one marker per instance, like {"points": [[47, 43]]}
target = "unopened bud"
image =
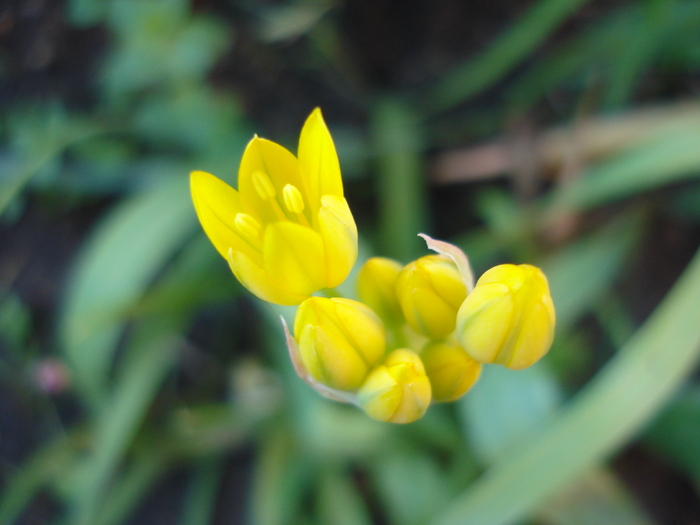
{"points": [[430, 291], [339, 340], [398, 390], [450, 369], [376, 287], [508, 318]]}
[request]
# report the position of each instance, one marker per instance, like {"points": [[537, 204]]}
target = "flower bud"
{"points": [[430, 291], [397, 391], [450, 369], [376, 287], [508, 318], [339, 340]]}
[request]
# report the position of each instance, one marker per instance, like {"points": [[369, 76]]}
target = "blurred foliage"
{"points": [[150, 373]]}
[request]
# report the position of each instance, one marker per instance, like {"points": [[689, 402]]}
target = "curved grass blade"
{"points": [[611, 409], [510, 48]]}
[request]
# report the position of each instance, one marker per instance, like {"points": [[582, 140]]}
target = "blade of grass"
{"points": [[676, 432], [575, 60], [597, 497], [123, 255], [582, 272], [131, 487], [672, 157], [201, 498], [507, 51], [400, 179], [639, 51], [610, 410], [121, 417], [46, 464], [339, 501], [506, 405], [279, 479]]}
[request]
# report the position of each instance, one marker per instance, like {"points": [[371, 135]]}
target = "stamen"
{"points": [[247, 225], [293, 200], [263, 186]]}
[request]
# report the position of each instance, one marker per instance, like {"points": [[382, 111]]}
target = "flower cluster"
{"points": [[419, 333]]}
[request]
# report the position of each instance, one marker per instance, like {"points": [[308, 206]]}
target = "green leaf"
{"points": [[507, 51], [575, 62], [597, 497], [676, 432], [507, 406], [131, 487], [280, 478], [411, 485], [159, 42], [48, 463], [582, 272], [201, 496], [121, 258], [670, 157], [36, 140], [85, 13], [152, 355], [290, 21], [15, 322], [624, 395], [339, 501], [640, 51], [401, 191]]}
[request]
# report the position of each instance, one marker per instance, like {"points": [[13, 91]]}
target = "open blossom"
{"points": [[287, 231]]}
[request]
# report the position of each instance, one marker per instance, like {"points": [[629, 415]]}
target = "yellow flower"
{"points": [[450, 369], [397, 391], [376, 287], [339, 340], [508, 318], [430, 291], [288, 231]]}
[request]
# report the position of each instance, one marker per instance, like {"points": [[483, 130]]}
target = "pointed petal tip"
{"points": [[198, 174]]}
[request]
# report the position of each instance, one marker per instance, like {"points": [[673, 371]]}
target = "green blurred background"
{"points": [[140, 385]]}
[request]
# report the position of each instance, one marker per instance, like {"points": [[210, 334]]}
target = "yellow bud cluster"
{"points": [[420, 333]]}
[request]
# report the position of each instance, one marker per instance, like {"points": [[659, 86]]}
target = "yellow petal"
{"points": [[376, 287], [259, 283], [380, 395], [416, 400], [447, 282], [428, 313], [484, 321], [330, 359], [362, 327], [398, 390], [277, 163], [217, 205], [339, 232], [450, 369], [535, 335], [319, 160], [294, 255]]}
